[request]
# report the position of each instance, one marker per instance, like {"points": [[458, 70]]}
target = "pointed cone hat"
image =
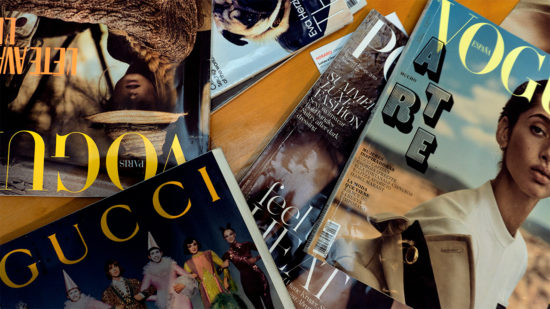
{"points": [[69, 283], [151, 243]]}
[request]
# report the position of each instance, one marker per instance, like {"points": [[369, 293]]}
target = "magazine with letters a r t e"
{"points": [[444, 202]]}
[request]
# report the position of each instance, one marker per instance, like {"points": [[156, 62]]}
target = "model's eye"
{"points": [[538, 130]]}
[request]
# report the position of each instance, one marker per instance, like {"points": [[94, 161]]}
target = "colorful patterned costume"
{"points": [[115, 296], [203, 264]]}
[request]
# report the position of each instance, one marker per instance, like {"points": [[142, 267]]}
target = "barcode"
{"points": [[327, 237], [351, 3]]}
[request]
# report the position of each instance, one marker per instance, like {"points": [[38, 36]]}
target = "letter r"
{"points": [[400, 108]]}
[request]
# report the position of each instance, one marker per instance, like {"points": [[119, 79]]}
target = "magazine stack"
{"points": [[351, 166]]}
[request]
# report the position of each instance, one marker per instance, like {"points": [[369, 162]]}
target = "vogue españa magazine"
{"points": [[182, 239], [446, 192], [98, 95]]}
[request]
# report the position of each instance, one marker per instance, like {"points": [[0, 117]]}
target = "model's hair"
{"points": [[108, 263], [227, 227], [188, 241], [517, 105]]}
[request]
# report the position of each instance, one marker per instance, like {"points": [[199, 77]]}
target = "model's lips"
{"points": [[542, 174]]}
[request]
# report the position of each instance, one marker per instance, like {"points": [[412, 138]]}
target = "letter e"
{"points": [[422, 145]]}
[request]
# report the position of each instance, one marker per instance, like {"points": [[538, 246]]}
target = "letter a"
{"points": [[430, 59]]}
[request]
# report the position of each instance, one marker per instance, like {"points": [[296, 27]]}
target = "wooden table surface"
{"points": [[245, 125]]}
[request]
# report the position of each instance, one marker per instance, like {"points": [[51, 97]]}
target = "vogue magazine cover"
{"points": [[98, 95], [444, 202]]}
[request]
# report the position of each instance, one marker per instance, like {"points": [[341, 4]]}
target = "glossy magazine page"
{"points": [[528, 20], [97, 96], [182, 239], [443, 194], [289, 183], [320, 285], [248, 37]]}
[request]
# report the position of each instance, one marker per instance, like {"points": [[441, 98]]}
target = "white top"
{"points": [[500, 259]]}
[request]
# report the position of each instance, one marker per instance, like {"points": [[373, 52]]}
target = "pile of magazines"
{"points": [[414, 173]]}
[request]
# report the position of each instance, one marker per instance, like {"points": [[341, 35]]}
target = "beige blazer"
{"points": [[379, 262]]}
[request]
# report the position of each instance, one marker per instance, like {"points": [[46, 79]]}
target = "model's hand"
{"points": [[139, 297], [226, 283], [253, 260], [225, 264], [194, 276]]}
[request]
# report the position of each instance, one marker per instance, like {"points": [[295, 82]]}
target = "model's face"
{"points": [[527, 153], [155, 255], [114, 271], [193, 247], [73, 294], [229, 236], [135, 91]]}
